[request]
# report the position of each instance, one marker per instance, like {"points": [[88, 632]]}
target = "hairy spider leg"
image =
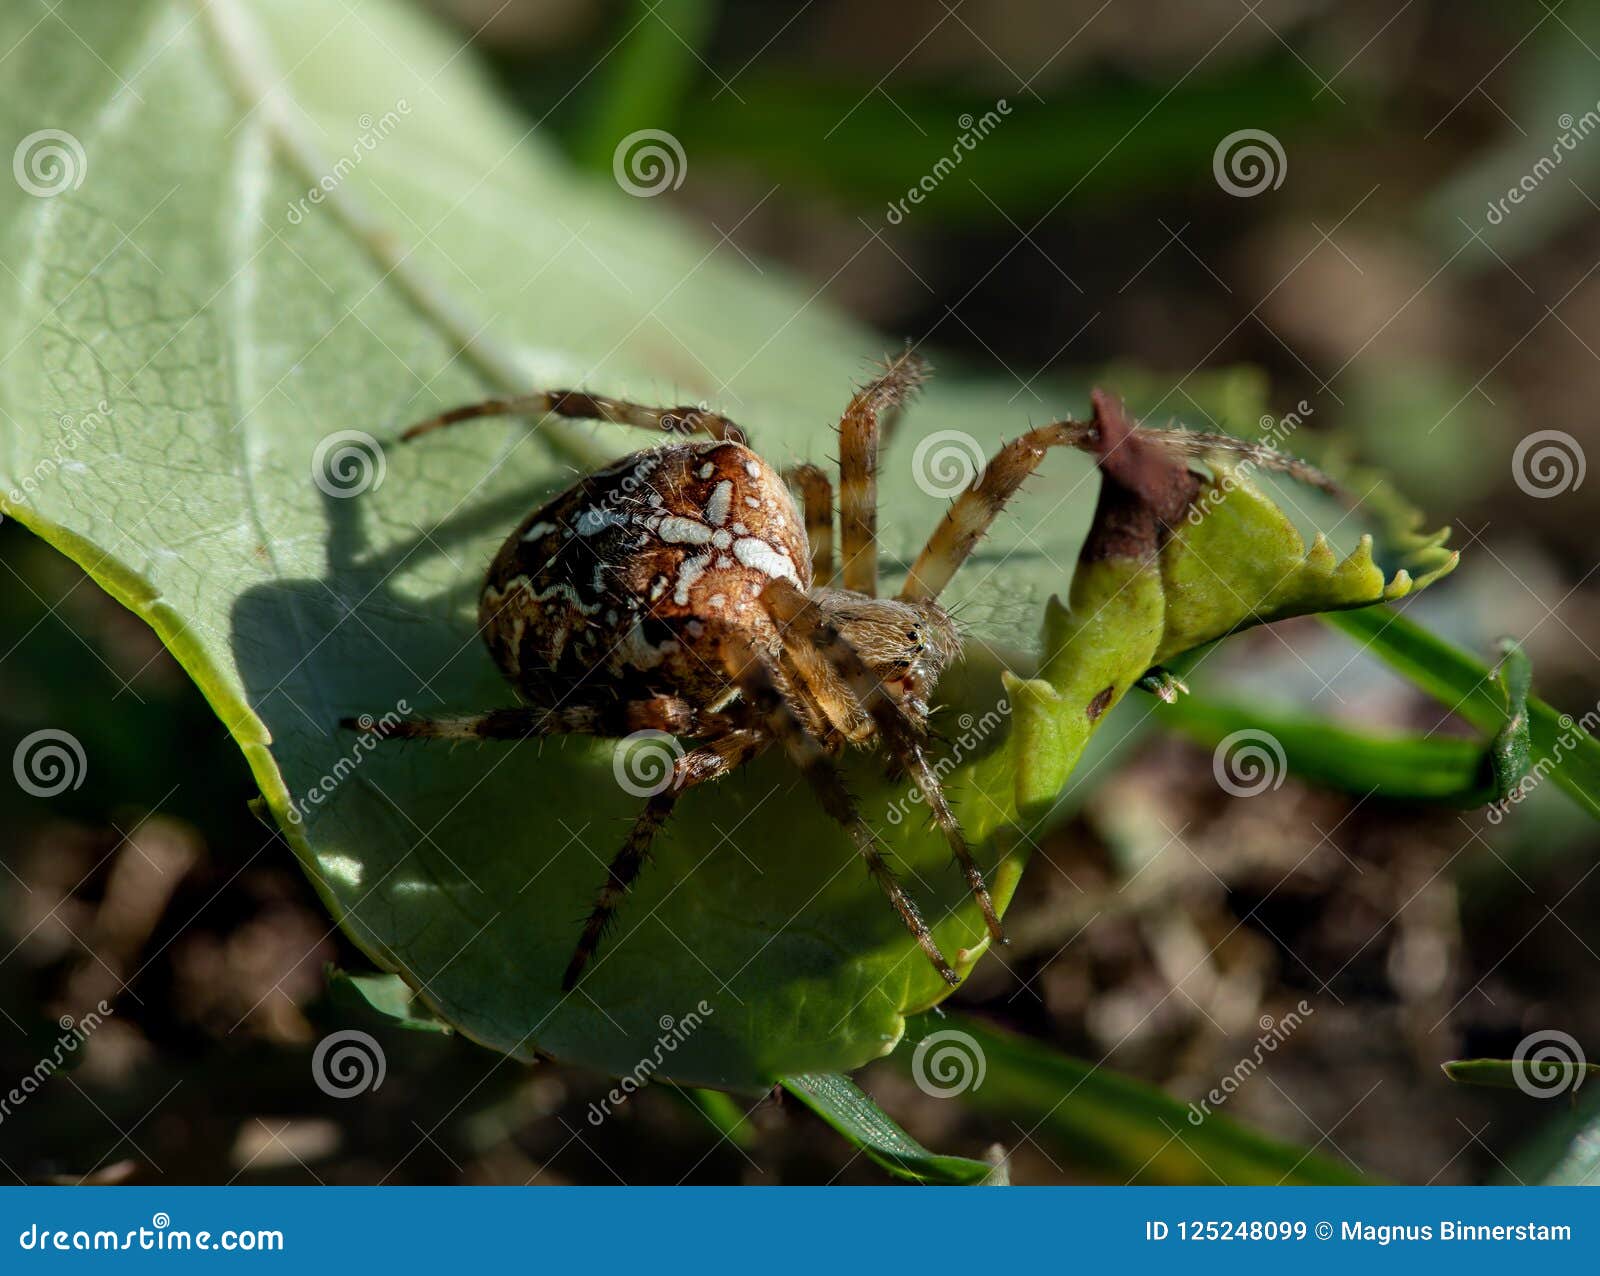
{"points": [[578, 406], [794, 611], [973, 513], [858, 466], [713, 759], [757, 681], [816, 500]]}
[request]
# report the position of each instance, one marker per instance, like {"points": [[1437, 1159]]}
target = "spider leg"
{"points": [[858, 466], [711, 760], [753, 675], [816, 496], [972, 513], [610, 718], [795, 612], [578, 406]]}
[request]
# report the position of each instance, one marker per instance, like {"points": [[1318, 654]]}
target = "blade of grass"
{"points": [[1409, 767], [1545, 1075], [850, 1111], [1099, 1120], [1561, 747]]}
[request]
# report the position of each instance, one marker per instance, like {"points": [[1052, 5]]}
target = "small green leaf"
{"points": [[844, 1106], [1513, 746], [1538, 1077], [389, 996]]}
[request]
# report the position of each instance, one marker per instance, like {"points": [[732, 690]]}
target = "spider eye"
{"points": [[912, 635]]}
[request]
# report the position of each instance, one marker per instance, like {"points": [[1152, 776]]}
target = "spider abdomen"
{"points": [[620, 575]]}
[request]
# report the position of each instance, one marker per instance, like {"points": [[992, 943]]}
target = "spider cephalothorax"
{"points": [[682, 590]]}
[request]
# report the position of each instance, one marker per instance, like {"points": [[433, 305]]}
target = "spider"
{"points": [[681, 590]]}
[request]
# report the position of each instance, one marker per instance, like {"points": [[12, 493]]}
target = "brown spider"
{"points": [[679, 590]]}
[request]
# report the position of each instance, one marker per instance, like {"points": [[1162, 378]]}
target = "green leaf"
{"points": [[1545, 1076], [1561, 747], [1098, 1120], [839, 1102], [1408, 767], [1512, 750], [278, 236], [387, 995]]}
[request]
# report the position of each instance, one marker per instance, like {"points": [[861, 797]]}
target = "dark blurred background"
{"points": [[1087, 235]]}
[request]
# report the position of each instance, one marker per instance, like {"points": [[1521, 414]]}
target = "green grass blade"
{"points": [[1123, 1129], [1407, 767], [844, 1106], [1562, 748]]}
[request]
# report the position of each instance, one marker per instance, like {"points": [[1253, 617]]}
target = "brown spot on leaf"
{"points": [[1101, 703]]}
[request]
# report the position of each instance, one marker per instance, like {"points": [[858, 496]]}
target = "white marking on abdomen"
{"points": [[683, 531], [717, 504], [764, 558]]}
